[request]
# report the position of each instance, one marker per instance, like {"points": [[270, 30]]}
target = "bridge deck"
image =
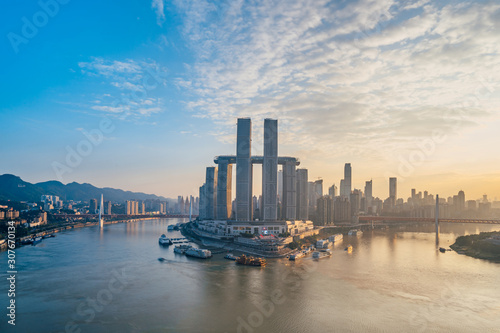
{"points": [[425, 219]]}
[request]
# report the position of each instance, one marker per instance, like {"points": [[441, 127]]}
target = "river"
{"points": [[395, 280]]}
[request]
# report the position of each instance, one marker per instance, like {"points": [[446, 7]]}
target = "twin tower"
{"points": [[215, 194]]}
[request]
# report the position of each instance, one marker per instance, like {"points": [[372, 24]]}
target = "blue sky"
{"points": [[398, 88]]}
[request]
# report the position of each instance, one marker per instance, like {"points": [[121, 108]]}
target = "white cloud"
{"points": [[100, 66], [368, 76], [158, 7], [131, 85]]}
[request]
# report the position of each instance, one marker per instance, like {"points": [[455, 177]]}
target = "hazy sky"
{"points": [[408, 89]]}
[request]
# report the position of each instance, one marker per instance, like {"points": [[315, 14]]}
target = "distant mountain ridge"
{"points": [[14, 188]]}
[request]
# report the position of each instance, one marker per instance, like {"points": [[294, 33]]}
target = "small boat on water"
{"points": [[250, 261], [322, 254], [27, 241], [355, 232], [161, 259], [198, 253], [301, 254], [36, 240], [181, 249], [164, 240], [348, 249], [336, 238], [170, 227], [48, 236], [230, 256]]}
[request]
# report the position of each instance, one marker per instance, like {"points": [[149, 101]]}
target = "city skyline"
{"points": [[374, 84]]}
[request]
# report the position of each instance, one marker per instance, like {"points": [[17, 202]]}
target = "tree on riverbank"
{"points": [[478, 246]]}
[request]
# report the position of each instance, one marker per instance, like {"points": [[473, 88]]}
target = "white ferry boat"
{"points": [[322, 254], [355, 232], [323, 244], [336, 238], [198, 253], [164, 240], [181, 249]]}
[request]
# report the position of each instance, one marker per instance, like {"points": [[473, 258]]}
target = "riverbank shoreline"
{"points": [[479, 246], [56, 229]]}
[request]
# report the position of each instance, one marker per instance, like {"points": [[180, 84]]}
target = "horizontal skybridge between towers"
{"points": [[231, 159], [423, 219]]}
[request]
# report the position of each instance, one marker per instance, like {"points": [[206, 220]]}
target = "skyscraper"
{"points": [[343, 192], [318, 188], [107, 207], [368, 196], [211, 192], [460, 201], [302, 207], [332, 191], [289, 201], [224, 185], [269, 210], [202, 205], [347, 180], [280, 185], [341, 210], [129, 207], [324, 214], [393, 190], [355, 202], [93, 206], [244, 170]]}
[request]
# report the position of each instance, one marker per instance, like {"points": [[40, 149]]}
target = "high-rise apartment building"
{"points": [[302, 208], [244, 170]]}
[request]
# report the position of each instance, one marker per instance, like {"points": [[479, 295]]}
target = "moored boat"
{"points": [[36, 240], [355, 232], [27, 241], [181, 249], [250, 261], [164, 240], [336, 238], [323, 244], [322, 254], [170, 227], [230, 256], [198, 253], [348, 249]]}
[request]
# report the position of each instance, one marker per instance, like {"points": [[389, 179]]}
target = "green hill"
{"points": [[14, 188]]}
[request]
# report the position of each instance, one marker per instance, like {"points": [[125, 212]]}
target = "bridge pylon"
{"points": [[437, 219]]}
